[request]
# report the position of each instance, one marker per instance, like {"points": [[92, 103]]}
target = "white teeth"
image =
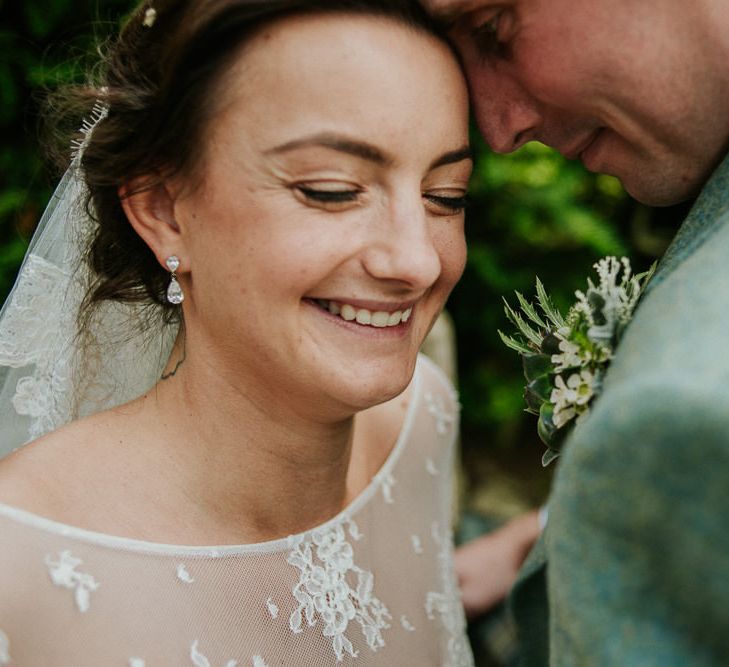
{"points": [[348, 313], [364, 316], [394, 319], [379, 318]]}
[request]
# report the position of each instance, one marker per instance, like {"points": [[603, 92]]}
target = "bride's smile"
{"points": [[367, 314]]}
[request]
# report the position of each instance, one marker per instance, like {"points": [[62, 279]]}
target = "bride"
{"points": [[222, 349]]}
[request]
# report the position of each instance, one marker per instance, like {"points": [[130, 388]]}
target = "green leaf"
{"points": [[514, 344], [644, 278], [549, 456], [547, 306], [536, 393], [528, 333], [536, 366], [530, 311], [541, 387], [545, 425]]}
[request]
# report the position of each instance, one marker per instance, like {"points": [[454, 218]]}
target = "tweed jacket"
{"points": [[633, 567]]}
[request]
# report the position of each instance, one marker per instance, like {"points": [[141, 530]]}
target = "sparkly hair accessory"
{"points": [[150, 16], [99, 112]]}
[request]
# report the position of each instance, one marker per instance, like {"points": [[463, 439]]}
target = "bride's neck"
{"points": [[250, 462]]}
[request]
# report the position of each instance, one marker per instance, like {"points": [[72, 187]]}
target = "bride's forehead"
{"points": [[336, 58], [358, 38]]}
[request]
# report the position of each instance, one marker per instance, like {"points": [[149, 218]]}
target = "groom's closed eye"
{"points": [[486, 38]]}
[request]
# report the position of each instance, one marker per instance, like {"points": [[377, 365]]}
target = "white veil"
{"points": [[50, 372]]}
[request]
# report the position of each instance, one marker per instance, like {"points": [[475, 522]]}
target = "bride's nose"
{"points": [[403, 247]]}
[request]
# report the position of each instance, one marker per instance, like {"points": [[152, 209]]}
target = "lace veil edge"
{"points": [[50, 372]]}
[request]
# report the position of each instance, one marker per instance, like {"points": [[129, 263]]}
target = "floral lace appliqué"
{"points": [[447, 602], [44, 394], [183, 575], [335, 591], [63, 573], [4, 649], [444, 420], [272, 608], [406, 624], [199, 660], [431, 467], [388, 481]]}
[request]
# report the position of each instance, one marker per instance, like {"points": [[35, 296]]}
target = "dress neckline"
{"points": [[270, 546]]}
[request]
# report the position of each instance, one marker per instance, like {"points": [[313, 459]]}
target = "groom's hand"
{"points": [[487, 566]]}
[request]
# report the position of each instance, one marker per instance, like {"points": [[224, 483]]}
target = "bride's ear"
{"points": [[150, 208]]}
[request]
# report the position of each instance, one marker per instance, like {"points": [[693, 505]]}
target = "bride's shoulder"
{"points": [[43, 475]]}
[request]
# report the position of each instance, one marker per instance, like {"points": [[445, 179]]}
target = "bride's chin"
{"points": [[383, 391]]}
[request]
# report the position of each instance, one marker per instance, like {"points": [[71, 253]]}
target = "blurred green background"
{"points": [[533, 213]]}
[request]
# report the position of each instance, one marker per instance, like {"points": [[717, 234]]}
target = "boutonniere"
{"points": [[565, 357]]}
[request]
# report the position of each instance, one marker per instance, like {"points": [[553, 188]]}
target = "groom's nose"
{"points": [[507, 115]]}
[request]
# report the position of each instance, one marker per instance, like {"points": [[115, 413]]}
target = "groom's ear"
{"points": [[149, 204]]}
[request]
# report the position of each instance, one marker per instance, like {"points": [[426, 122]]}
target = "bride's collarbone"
{"points": [[98, 474]]}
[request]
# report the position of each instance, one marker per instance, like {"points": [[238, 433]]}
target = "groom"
{"points": [[634, 565]]}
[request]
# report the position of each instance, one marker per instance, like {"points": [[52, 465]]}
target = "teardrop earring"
{"points": [[175, 294]]}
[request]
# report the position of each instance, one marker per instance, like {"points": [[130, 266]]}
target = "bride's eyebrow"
{"points": [[364, 150], [451, 157], [341, 143]]}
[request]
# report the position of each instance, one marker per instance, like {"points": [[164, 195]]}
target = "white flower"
{"points": [[571, 398], [618, 290], [572, 356], [562, 395], [562, 415], [584, 386]]}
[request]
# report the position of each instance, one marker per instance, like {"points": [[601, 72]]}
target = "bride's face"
{"points": [[332, 185]]}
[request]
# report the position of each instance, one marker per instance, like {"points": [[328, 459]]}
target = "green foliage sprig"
{"points": [[565, 358]]}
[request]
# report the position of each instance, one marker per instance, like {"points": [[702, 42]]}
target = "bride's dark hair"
{"points": [[158, 81]]}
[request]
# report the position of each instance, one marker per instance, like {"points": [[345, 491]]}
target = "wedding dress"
{"points": [[375, 585]]}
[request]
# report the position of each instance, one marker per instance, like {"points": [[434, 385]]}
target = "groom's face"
{"points": [[624, 86]]}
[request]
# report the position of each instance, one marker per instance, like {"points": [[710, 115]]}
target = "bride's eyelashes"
{"points": [[331, 197], [449, 205], [328, 196]]}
